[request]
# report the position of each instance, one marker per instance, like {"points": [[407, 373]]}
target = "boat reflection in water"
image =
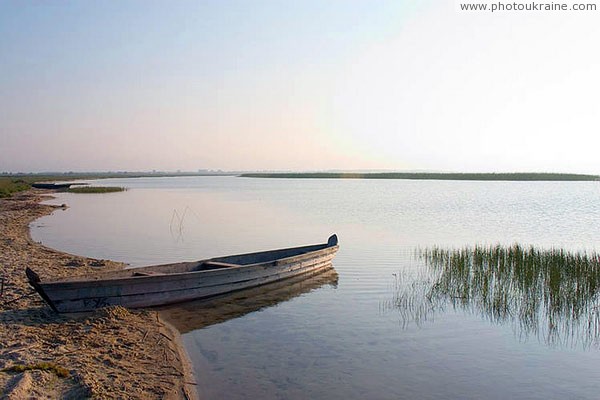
{"points": [[550, 294], [193, 315]]}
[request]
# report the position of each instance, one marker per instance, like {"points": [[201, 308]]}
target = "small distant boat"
{"points": [[173, 283], [57, 186]]}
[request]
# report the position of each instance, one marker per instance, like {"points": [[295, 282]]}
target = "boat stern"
{"points": [[34, 281]]}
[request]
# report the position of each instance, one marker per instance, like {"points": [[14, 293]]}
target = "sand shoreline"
{"points": [[111, 353]]}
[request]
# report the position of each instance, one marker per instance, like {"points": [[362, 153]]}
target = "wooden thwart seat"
{"points": [[219, 264]]}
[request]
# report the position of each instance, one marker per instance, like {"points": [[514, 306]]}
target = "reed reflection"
{"points": [[193, 315], [550, 294]]}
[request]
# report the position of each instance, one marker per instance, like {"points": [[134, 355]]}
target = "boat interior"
{"points": [[202, 265]]}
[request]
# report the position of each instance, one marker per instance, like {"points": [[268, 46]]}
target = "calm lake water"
{"points": [[367, 332]]}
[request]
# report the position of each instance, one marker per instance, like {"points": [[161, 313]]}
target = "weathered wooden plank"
{"points": [[175, 296]]}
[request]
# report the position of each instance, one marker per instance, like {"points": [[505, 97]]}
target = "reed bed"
{"points": [[411, 297], [552, 294]]}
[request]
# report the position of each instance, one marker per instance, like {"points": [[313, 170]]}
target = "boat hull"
{"points": [[156, 288]]}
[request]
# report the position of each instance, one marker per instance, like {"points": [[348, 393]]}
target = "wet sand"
{"points": [[111, 353]]}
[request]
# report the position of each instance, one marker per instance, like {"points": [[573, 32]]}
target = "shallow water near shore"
{"points": [[364, 334]]}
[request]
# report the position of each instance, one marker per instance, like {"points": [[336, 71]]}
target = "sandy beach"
{"points": [[111, 353]]}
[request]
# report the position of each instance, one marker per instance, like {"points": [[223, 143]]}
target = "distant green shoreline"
{"points": [[431, 176], [13, 183]]}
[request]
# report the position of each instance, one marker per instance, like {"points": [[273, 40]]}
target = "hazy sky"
{"points": [[296, 85]]}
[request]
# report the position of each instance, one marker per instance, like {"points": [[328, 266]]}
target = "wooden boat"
{"points": [[172, 283]]}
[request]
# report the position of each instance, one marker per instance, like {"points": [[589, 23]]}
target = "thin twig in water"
{"points": [[180, 219]]}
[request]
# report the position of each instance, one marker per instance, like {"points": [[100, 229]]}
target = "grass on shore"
{"points": [[96, 189], [13, 183], [42, 366], [8, 186], [432, 176]]}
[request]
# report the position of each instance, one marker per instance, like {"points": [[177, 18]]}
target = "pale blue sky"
{"points": [[295, 85]]}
